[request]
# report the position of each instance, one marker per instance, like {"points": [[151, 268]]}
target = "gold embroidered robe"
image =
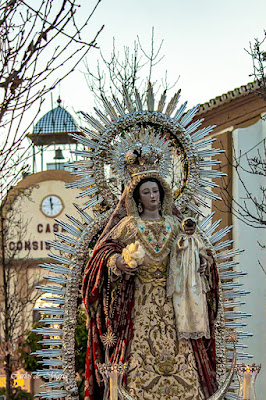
{"points": [[160, 366]]}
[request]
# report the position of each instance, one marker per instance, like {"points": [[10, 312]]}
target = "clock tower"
{"points": [[47, 197]]}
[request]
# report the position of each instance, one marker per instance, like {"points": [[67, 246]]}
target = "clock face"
{"points": [[52, 206]]}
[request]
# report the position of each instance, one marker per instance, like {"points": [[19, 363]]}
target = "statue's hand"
{"points": [[124, 267], [203, 265]]}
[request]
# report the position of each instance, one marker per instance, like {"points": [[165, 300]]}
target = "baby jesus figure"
{"points": [[187, 286]]}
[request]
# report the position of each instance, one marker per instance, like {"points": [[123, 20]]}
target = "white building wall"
{"points": [[247, 238]]}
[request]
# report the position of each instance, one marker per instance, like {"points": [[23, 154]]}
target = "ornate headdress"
{"points": [[129, 140]]}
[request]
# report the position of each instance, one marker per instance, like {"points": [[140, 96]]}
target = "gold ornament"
{"points": [[109, 339], [140, 208]]}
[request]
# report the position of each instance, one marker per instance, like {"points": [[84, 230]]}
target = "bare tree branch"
{"points": [[38, 39]]}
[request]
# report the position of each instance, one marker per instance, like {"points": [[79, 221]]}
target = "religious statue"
{"points": [[148, 257], [125, 294], [187, 286]]}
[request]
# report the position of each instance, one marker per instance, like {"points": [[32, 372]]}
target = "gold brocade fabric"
{"points": [[160, 366]]}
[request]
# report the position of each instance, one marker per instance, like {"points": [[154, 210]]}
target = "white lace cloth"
{"points": [[188, 288]]}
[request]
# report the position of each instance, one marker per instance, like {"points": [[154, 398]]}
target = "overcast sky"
{"points": [[204, 43]]}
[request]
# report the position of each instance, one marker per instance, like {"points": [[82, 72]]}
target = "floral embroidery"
{"points": [[157, 234]]}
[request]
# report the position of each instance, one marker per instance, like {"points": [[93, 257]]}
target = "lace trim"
{"points": [[111, 264], [193, 335]]}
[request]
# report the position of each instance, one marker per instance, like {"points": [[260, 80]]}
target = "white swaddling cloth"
{"points": [[188, 288]]}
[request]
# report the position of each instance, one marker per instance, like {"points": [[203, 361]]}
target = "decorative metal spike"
{"points": [[192, 127], [172, 103], [50, 310], [229, 294], [81, 182], [84, 153], [200, 134], [69, 228], [220, 234], [118, 106], [208, 163], [93, 122], [204, 183], [80, 164], [87, 218], [230, 346], [150, 98], [241, 334], [85, 173], [232, 274], [233, 324], [201, 201], [228, 264], [56, 268], [180, 112], [53, 384], [91, 203], [52, 289], [211, 173], [60, 259], [187, 118], [76, 222], [229, 253], [54, 300], [223, 245], [193, 207], [127, 100], [204, 143], [231, 304], [52, 362], [240, 355], [48, 331], [61, 247], [161, 103], [51, 342], [213, 227], [56, 279], [58, 372], [88, 192], [53, 321], [66, 239], [102, 117], [91, 134], [210, 152], [109, 108], [236, 315], [207, 193], [48, 352], [83, 140], [53, 394], [206, 220], [231, 285]]}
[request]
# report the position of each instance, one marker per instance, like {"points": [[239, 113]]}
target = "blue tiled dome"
{"points": [[56, 121]]}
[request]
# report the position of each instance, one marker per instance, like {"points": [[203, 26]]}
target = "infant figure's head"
{"points": [[189, 225]]}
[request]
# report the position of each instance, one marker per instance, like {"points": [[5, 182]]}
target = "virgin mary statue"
{"points": [[127, 295]]}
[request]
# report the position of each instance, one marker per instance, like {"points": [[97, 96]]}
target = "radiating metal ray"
{"points": [[171, 106], [180, 112], [187, 118], [162, 101]]}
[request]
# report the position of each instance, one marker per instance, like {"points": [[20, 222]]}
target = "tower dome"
{"points": [[54, 127]]}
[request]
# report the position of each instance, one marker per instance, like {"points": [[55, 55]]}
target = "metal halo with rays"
{"points": [[118, 119], [66, 267]]}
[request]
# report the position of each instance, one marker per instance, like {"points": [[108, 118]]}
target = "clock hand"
{"points": [[51, 203]]}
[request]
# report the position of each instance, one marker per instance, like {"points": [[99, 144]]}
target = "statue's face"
{"points": [[149, 195]]}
